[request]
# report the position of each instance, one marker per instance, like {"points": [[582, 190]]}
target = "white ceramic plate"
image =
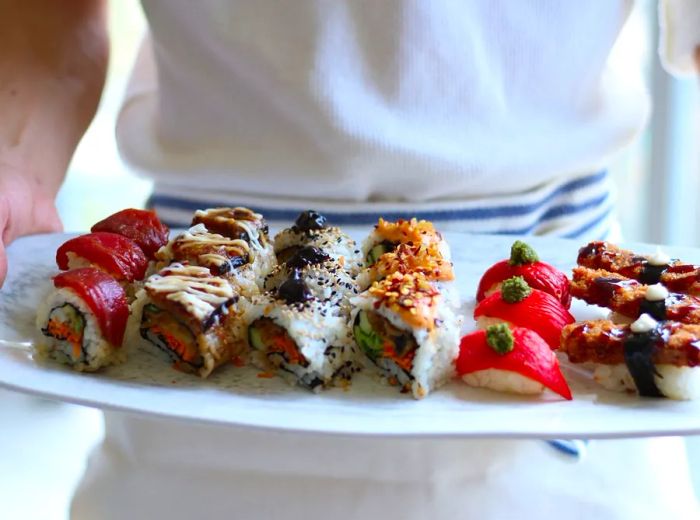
{"points": [[236, 396]]}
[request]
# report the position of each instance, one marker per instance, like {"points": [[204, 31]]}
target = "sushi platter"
{"points": [[242, 377]]}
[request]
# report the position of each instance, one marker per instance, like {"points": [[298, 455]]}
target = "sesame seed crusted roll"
{"points": [[303, 340], [310, 229]]}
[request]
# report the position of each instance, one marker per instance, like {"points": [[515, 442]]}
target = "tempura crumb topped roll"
{"points": [[190, 316], [387, 235], [403, 328]]}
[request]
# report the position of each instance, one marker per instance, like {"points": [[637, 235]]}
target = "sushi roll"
{"points": [[630, 299], [513, 360], [653, 359], [311, 229], [406, 332], [525, 262], [300, 337], [190, 318], [516, 303], [387, 235], [140, 225], [324, 277], [241, 224], [223, 256], [82, 320], [648, 269], [116, 255]]}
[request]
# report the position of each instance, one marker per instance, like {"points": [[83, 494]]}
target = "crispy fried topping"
{"points": [[414, 258], [410, 295], [415, 231]]}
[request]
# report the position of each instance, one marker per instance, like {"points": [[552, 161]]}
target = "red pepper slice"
{"points": [[140, 225], [103, 296], [538, 275], [539, 311], [115, 254], [531, 357]]}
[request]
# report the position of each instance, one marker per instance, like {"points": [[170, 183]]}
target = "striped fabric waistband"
{"points": [[573, 208]]}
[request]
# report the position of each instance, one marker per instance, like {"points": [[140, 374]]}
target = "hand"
{"points": [[26, 207]]}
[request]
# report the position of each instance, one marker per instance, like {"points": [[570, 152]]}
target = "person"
{"points": [[482, 116]]}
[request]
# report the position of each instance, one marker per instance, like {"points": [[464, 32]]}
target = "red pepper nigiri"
{"points": [[115, 254], [519, 304], [103, 295], [140, 225], [510, 360], [525, 262]]}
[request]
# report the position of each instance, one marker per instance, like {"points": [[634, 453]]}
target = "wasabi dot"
{"points": [[515, 289], [521, 253], [500, 338]]}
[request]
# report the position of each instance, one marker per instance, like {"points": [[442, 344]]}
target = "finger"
{"points": [[697, 59]]}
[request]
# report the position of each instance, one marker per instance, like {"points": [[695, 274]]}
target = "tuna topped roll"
{"points": [[191, 317], [404, 329], [300, 337], [82, 321], [311, 229]]}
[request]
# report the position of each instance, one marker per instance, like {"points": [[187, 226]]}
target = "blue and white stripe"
{"points": [[581, 208]]}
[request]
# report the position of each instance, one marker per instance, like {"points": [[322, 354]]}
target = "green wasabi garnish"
{"points": [[515, 289], [500, 338], [521, 253]]}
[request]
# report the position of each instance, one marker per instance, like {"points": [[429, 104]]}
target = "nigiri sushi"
{"points": [[525, 262], [514, 360], [140, 225], [520, 305]]}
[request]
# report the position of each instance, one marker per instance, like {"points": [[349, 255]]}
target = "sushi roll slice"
{"points": [[653, 359], [311, 229], [630, 299], [190, 318], [387, 235], [406, 332], [513, 360], [324, 277], [648, 269], [295, 335], [82, 320], [241, 224], [525, 262], [519, 305], [140, 225], [225, 257], [114, 254]]}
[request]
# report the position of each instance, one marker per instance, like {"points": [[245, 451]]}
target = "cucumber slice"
{"points": [[363, 322], [255, 338], [377, 251], [367, 339]]}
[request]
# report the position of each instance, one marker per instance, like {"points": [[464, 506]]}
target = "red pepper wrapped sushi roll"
{"points": [[514, 360], [520, 305], [140, 225], [82, 320], [115, 254], [525, 262]]}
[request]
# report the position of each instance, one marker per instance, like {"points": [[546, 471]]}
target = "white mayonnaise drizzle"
{"points": [[658, 258], [644, 323], [656, 293], [191, 286]]}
